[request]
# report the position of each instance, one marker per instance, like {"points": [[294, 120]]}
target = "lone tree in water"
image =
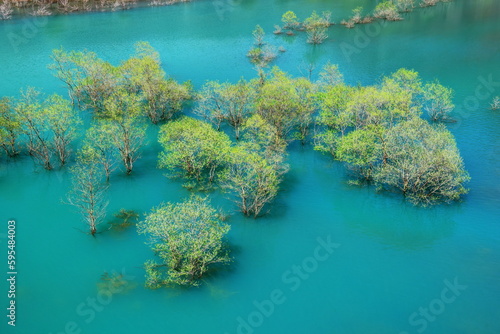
{"points": [[88, 191], [188, 237], [258, 35]]}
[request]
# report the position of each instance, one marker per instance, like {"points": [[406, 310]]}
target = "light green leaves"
{"points": [[188, 239]]}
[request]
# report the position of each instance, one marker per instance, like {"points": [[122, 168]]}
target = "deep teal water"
{"points": [[391, 258]]}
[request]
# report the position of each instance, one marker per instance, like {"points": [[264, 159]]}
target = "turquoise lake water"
{"points": [[389, 259]]}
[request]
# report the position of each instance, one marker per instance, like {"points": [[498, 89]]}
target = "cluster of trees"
{"points": [[262, 53], [43, 128], [377, 131], [251, 169], [316, 26], [238, 143], [387, 10], [121, 99], [48, 7], [93, 82]]}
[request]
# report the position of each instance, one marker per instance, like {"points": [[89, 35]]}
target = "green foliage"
{"points": [[252, 179], [438, 101], [124, 219], [423, 163], [286, 103], [99, 147], [255, 167], [88, 193], [377, 132], [387, 10], [290, 20], [49, 125], [228, 103], [92, 81], [262, 56], [193, 150], [356, 15], [316, 27], [121, 123], [62, 121], [407, 80], [330, 76], [188, 238], [362, 149], [161, 98], [258, 35], [10, 127]]}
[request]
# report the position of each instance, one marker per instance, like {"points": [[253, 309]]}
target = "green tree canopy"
{"points": [[188, 238]]}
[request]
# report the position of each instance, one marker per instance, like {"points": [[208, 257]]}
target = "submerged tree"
{"points": [[121, 123], [88, 193], [377, 132], [99, 146], [252, 179], [233, 104], [330, 75], [62, 121], [161, 98], [124, 219], [438, 101], [30, 112], [49, 125], [495, 104], [188, 238], [10, 127], [423, 163], [278, 102], [290, 20], [92, 81], [193, 149], [405, 5], [255, 167], [258, 35], [387, 10], [316, 28]]}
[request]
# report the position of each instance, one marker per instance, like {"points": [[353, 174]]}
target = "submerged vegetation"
{"points": [[188, 237], [124, 219], [378, 132], [317, 25], [237, 145], [495, 104]]}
